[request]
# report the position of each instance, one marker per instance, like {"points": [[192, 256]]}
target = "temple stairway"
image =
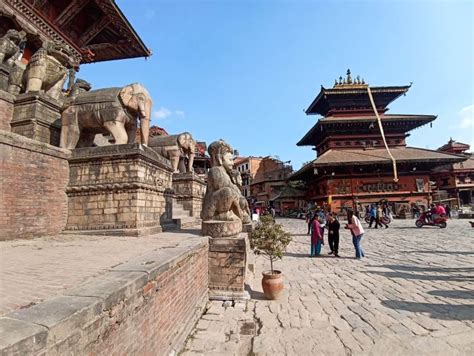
{"points": [[182, 218]]}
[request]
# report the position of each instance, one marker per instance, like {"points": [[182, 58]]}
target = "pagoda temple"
{"points": [[95, 30], [353, 168]]}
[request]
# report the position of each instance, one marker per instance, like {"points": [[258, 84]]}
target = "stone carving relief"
{"points": [[175, 148], [223, 199]]}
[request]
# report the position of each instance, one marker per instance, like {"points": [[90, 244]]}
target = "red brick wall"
{"points": [[33, 180], [6, 110], [160, 315]]}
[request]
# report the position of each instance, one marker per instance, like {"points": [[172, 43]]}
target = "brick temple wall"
{"points": [[145, 306], [33, 182]]}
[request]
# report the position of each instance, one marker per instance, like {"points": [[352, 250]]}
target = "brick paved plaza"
{"points": [[412, 295]]}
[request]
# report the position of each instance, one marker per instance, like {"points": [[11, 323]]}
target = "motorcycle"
{"points": [[441, 221]]}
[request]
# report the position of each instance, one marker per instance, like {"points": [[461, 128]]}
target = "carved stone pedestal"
{"points": [[4, 74], [37, 116], [6, 110], [227, 260], [119, 190], [189, 189]]}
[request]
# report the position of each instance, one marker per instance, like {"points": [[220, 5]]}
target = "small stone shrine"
{"points": [[224, 212]]}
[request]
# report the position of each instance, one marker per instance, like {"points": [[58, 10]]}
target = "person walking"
{"points": [[316, 237], [333, 234], [309, 220], [448, 211], [357, 231], [379, 217], [373, 215]]}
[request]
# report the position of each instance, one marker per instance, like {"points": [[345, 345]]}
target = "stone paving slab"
{"points": [[412, 295], [33, 271]]}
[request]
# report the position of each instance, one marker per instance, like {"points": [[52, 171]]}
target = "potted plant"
{"points": [[270, 240]]}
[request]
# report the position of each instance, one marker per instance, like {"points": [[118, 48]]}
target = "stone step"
{"points": [[187, 222]]}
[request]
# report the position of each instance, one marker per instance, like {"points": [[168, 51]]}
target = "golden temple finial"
{"points": [[348, 82]]}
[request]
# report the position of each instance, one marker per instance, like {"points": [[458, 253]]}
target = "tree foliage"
{"points": [[269, 239]]}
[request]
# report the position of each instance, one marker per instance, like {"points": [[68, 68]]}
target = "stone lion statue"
{"points": [[11, 45], [47, 70], [224, 200]]}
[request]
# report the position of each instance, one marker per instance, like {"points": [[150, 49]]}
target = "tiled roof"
{"points": [[380, 155]]}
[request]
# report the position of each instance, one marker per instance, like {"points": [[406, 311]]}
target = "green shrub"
{"points": [[269, 239]]}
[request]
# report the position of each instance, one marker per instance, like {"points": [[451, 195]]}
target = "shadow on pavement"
{"points": [[254, 294], [436, 311], [441, 252], [455, 294], [427, 269], [292, 254]]}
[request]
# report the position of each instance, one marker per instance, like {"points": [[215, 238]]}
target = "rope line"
{"points": [[394, 162]]}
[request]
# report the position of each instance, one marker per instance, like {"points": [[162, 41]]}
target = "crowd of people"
{"points": [[319, 220]]}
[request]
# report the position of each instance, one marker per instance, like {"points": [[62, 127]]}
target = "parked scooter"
{"points": [[441, 221]]}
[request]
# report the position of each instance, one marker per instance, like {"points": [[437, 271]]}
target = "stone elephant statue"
{"points": [[174, 147], [110, 110], [46, 71], [11, 45]]}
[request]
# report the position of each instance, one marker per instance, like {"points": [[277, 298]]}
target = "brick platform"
{"points": [[119, 190], [128, 296], [189, 190]]}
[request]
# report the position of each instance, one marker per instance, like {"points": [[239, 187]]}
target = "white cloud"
{"points": [[467, 117], [163, 113]]}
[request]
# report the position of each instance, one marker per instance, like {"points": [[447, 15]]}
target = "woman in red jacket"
{"points": [[316, 238]]}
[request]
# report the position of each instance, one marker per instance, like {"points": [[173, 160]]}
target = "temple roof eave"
{"points": [[310, 138], [321, 104]]}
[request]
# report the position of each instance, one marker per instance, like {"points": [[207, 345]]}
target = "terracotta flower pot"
{"points": [[272, 284]]}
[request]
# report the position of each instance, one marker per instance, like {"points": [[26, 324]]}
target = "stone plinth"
{"points": [[228, 249], [119, 189], [189, 190], [4, 74], [6, 109], [227, 267], [37, 116], [217, 229]]}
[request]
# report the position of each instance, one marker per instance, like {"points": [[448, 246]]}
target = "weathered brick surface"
{"points": [[189, 189], [122, 187], [146, 306], [6, 110], [227, 263], [33, 180]]}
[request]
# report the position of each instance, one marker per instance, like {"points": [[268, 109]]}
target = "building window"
{"points": [[338, 143]]}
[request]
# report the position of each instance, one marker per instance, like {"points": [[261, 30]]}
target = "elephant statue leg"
{"points": [[56, 90], [191, 162], [69, 136], [117, 129], [174, 157], [131, 132], [35, 78]]}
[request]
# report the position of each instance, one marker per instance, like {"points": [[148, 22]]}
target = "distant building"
{"points": [[268, 182], [455, 182], [248, 167], [202, 162], [353, 168]]}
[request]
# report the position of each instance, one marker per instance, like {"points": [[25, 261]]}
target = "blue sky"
{"points": [[245, 70]]}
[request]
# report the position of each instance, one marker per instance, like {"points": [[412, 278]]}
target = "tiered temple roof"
{"points": [[350, 123], [95, 29]]}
